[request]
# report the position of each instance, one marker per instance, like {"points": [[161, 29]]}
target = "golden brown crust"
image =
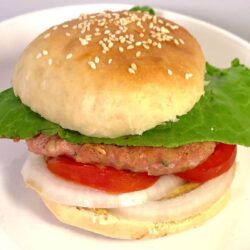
{"points": [[146, 84], [101, 222]]}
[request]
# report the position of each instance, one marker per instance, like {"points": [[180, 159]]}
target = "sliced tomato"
{"points": [[217, 163], [107, 179]]}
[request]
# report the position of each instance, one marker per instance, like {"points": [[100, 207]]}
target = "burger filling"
{"points": [[152, 160], [115, 169]]}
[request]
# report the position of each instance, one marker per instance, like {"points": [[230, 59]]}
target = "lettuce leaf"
{"points": [[222, 114], [143, 9]]}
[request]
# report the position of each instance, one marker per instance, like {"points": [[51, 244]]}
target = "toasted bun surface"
{"points": [[102, 222], [111, 74]]}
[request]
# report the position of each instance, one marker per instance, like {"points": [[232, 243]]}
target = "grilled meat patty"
{"points": [[154, 160]]}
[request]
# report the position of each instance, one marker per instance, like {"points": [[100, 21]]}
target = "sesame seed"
{"points": [[67, 34], [101, 24], [122, 39], [131, 71], [83, 41], [106, 32], [141, 35], [88, 37], [112, 37], [146, 46], [110, 45], [55, 28], [46, 36], [121, 49], [110, 61], [69, 56], [181, 41], [65, 26], [74, 27], [155, 19], [45, 52], [39, 55], [174, 27], [97, 60], [92, 64], [188, 76], [170, 72], [133, 66], [139, 43], [139, 24], [106, 49], [50, 61], [159, 45], [170, 37], [138, 54], [164, 30], [158, 29], [129, 42], [176, 42], [130, 47]]}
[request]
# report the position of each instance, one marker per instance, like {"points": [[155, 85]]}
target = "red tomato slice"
{"points": [[107, 179], [217, 163]]}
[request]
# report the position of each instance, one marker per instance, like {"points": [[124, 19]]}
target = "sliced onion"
{"points": [[183, 206], [65, 192]]}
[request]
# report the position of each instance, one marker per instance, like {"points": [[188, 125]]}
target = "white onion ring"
{"points": [[65, 192], [183, 206]]}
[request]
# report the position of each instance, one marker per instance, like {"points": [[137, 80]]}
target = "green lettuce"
{"points": [[143, 9], [222, 114]]}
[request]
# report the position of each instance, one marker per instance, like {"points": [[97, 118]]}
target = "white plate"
{"points": [[24, 221]]}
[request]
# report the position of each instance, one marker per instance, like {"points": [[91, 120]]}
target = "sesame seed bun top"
{"points": [[111, 74]]}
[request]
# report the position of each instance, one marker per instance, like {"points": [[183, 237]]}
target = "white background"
{"points": [[232, 15]]}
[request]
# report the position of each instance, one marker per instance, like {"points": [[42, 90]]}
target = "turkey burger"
{"points": [[124, 136]]}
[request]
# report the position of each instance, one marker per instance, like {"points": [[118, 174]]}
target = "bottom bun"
{"points": [[107, 223], [102, 222]]}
